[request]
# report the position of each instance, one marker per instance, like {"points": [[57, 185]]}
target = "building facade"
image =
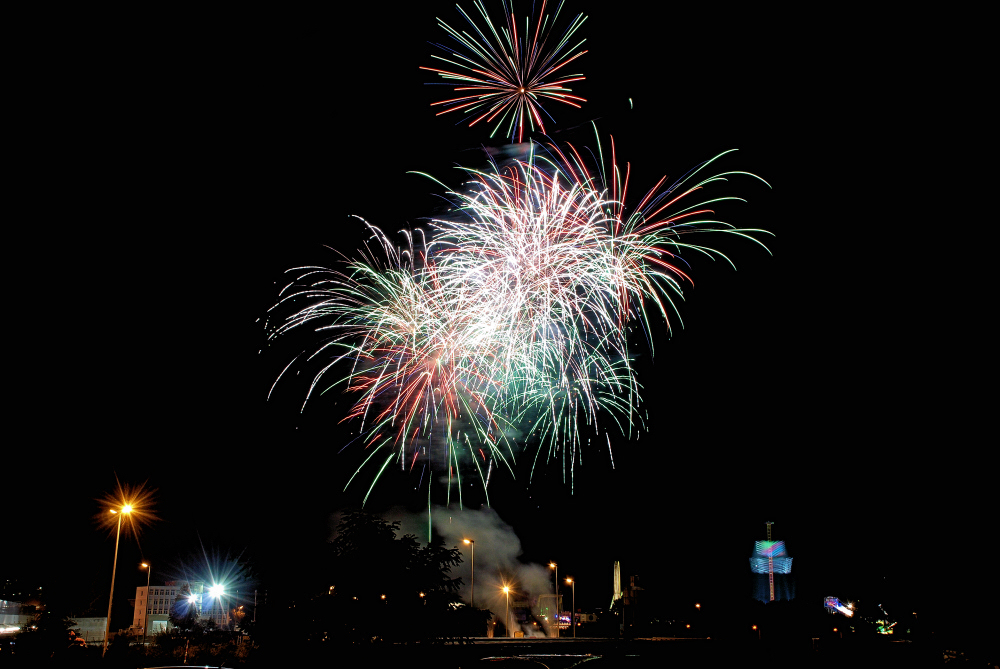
{"points": [[153, 603]]}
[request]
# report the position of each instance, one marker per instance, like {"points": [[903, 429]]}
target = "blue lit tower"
{"points": [[770, 558]]}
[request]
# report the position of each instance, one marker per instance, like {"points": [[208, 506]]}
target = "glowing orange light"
{"points": [[129, 507]]}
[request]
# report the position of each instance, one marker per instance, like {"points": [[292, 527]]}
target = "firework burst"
{"points": [[411, 352], [513, 316], [559, 270], [505, 75]]}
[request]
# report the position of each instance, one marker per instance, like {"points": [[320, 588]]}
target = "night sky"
{"points": [[809, 387]]}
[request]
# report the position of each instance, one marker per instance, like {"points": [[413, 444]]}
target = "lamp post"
{"points": [[553, 565], [471, 542], [216, 592], [114, 567], [506, 620], [145, 620], [572, 615]]}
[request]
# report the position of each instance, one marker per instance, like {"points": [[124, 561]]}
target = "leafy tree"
{"points": [[382, 587], [245, 620], [183, 613], [46, 634]]}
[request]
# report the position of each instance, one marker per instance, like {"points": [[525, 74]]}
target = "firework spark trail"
{"points": [[509, 76], [404, 337], [533, 253], [513, 316]]}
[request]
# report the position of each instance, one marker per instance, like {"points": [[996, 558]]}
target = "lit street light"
{"points": [[506, 621], [145, 620], [472, 543], [572, 615], [114, 567], [553, 565]]}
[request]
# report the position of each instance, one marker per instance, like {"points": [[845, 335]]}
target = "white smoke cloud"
{"points": [[497, 557]]}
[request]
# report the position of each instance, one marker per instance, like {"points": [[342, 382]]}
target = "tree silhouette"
{"points": [[183, 613], [379, 586]]}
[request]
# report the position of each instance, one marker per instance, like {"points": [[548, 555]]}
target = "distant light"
{"points": [[215, 591], [127, 508]]}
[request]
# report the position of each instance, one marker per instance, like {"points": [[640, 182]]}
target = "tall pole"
{"points": [[111, 597], [556, 586], [770, 560], [145, 622], [572, 615], [506, 620], [472, 543]]}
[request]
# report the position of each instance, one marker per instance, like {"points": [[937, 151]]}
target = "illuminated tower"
{"points": [[769, 557]]}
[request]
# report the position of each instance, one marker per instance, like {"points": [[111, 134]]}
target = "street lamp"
{"points": [[145, 620], [127, 509], [572, 615], [506, 620], [471, 542], [553, 565]]}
